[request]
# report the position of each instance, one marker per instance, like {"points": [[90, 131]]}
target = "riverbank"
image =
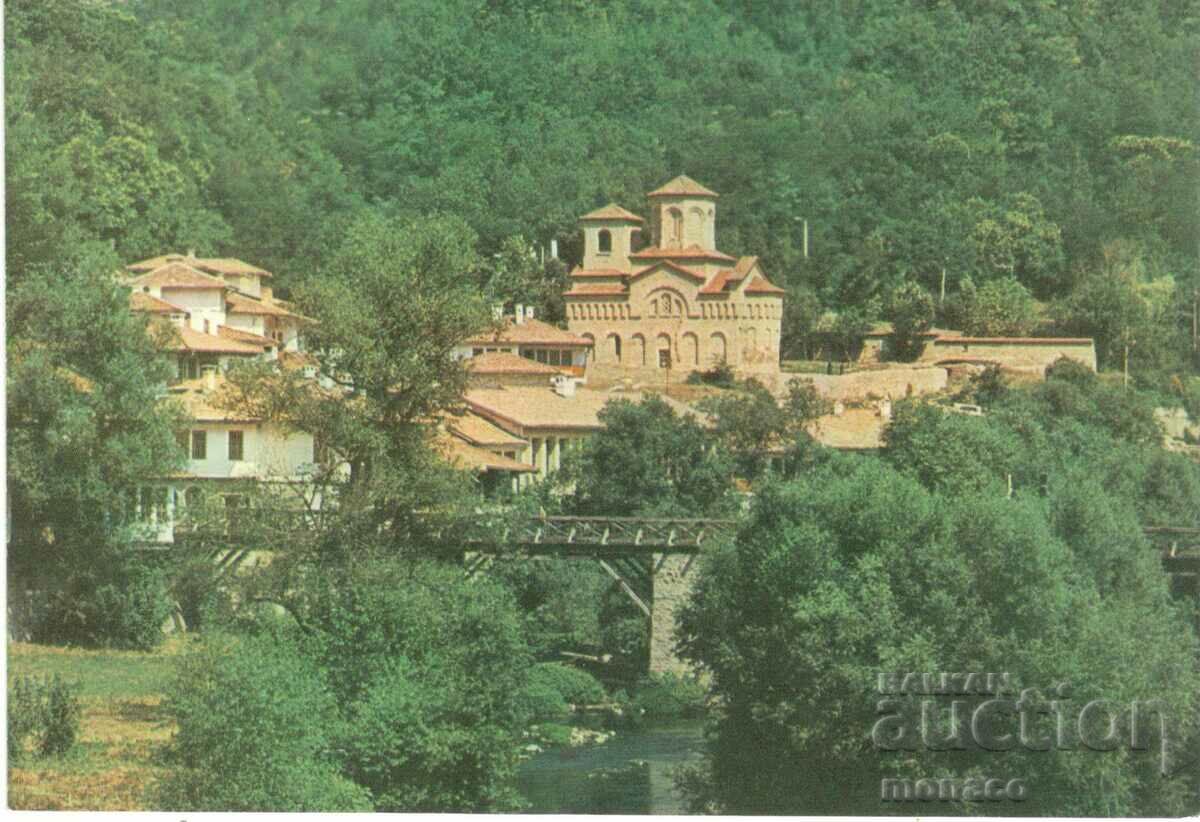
{"points": [[115, 760]]}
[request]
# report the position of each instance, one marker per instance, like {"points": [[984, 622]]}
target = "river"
{"points": [[631, 773]]}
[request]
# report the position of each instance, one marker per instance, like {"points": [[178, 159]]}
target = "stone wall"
{"points": [[1018, 354], [882, 383]]}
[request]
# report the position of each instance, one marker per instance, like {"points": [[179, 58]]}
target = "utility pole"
{"points": [[806, 239], [942, 293], [1196, 319]]}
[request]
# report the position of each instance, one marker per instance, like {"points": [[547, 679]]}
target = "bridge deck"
{"points": [[606, 536]]}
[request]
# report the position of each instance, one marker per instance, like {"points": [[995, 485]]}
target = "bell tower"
{"points": [[683, 213], [608, 237]]}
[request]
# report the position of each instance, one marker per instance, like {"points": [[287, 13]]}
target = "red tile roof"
{"points": [[760, 285], [683, 186], [141, 301], [948, 340], [596, 290], [692, 252], [687, 272], [479, 431], [177, 275], [213, 265], [719, 282], [188, 339], [467, 457], [598, 272], [236, 303], [612, 211], [531, 332], [249, 337], [503, 362]]}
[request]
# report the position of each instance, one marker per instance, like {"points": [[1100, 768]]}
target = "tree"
{"points": [[397, 688], [801, 312], [515, 275], [752, 425], [911, 312], [89, 437], [651, 461], [1020, 241], [950, 453], [389, 311], [854, 570], [999, 308]]}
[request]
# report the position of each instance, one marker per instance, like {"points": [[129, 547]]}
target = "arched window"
{"points": [[675, 217], [605, 239], [614, 348], [689, 350], [637, 352], [716, 347]]}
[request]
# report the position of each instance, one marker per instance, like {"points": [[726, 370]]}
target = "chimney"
{"points": [[519, 316], [529, 312], [208, 373], [564, 386]]}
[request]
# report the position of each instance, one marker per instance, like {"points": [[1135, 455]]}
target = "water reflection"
{"points": [[632, 773]]}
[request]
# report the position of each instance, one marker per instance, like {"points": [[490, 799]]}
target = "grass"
{"points": [[123, 729]]}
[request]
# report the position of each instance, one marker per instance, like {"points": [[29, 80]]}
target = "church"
{"points": [[672, 302]]}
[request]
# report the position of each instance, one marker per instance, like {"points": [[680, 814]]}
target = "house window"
{"points": [[237, 446], [475, 352], [199, 445], [189, 368], [605, 241]]}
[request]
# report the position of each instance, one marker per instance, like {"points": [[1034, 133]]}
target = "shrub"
{"points": [[254, 722], [428, 668], [541, 700], [196, 587], [666, 696], [45, 709], [122, 607], [573, 685], [720, 375]]}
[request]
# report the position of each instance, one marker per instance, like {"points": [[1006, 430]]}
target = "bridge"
{"points": [[649, 559]]}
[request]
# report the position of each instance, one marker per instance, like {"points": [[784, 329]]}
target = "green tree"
{"points": [[854, 570], [999, 308], [89, 439], [389, 310], [254, 719], [911, 312], [649, 457]]}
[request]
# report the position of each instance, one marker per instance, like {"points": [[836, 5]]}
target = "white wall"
{"points": [[247, 322], [203, 303], [267, 452]]}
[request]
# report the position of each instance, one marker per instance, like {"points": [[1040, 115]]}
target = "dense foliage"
{"points": [[856, 569], [86, 431], [399, 688], [1008, 542], [921, 143]]}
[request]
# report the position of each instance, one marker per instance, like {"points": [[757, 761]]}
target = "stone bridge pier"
{"points": [[671, 579]]}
